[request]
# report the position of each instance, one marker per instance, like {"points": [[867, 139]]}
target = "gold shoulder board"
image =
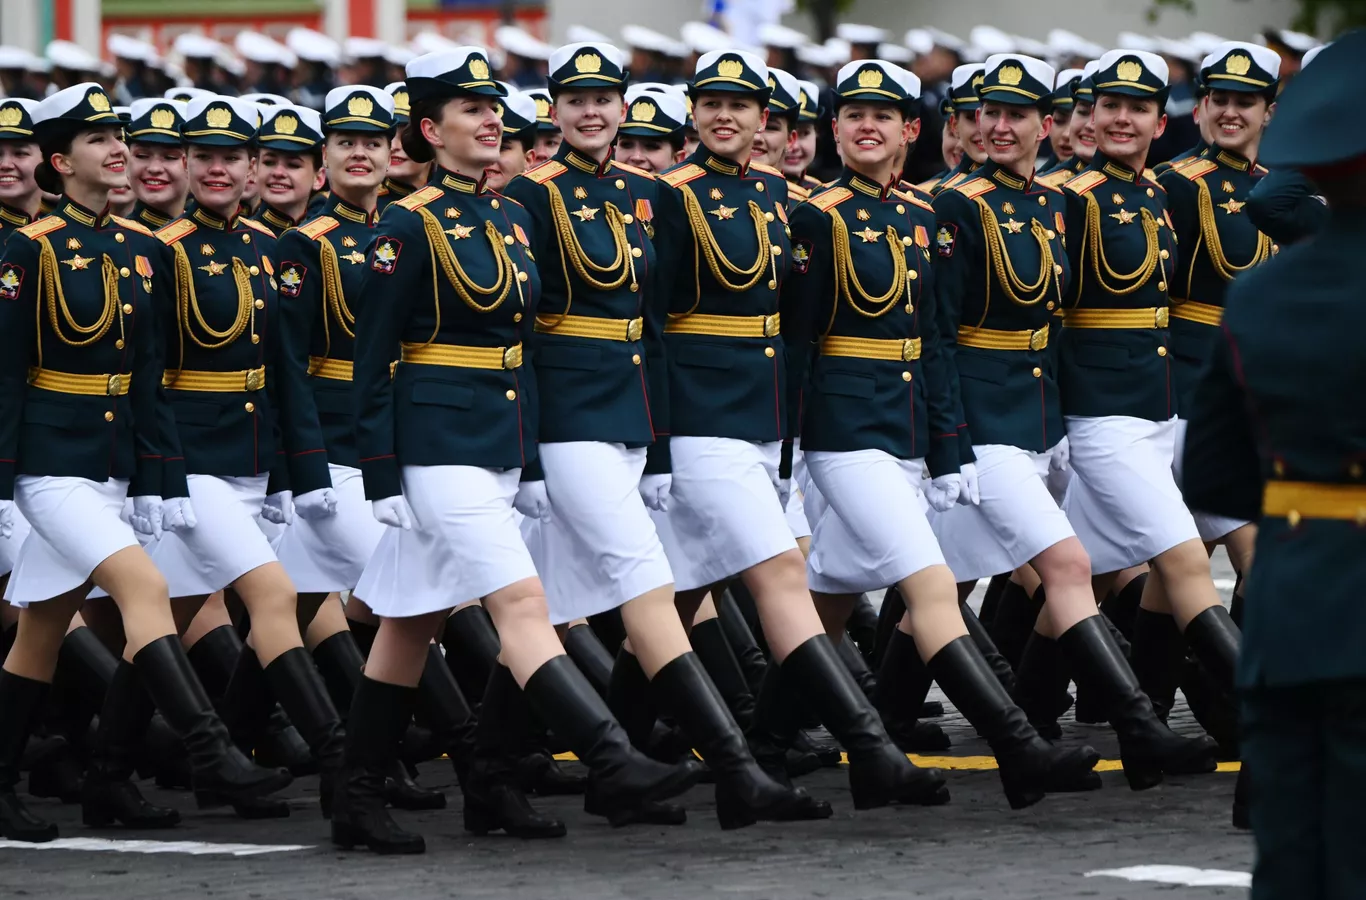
{"points": [[45, 225], [913, 199], [767, 170], [975, 188], [634, 171], [797, 192], [318, 227], [681, 176], [828, 200], [257, 226], [419, 199], [1054, 179], [547, 170], [1196, 168], [132, 225], [176, 231], [1086, 182]]}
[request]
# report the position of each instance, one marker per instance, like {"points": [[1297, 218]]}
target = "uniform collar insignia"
{"points": [[583, 163], [1009, 179], [212, 220], [1123, 173], [14, 216], [351, 213], [80, 214], [1233, 160], [867, 186], [276, 219], [457, 182], [720, 164], [151, 218]]}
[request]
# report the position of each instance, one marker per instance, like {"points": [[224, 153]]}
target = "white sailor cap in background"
{"points": [[186, 94], [1135, 41], [775, 35], [947, 41], [517, 42], [984, 41], [1178, 49], [582, 34], [263, 99], [839, 49], [654, 109], [396, 55], [431, 42], [229, 63], [358, 48], [66, 55], [1203, 42], [1310, 54], [1064, 43], [856, 33], [1029, 47], [313, 46], [15, 57], [196, 46], [819, 56], [638, 37], [704, 38], [896, 53], [124, 46], [519, 113], [258, 48]]}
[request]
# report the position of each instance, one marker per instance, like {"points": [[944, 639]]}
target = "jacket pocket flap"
{"points": [[1102, 356], [197, 412], [440, 393], [55, 414], [847, 384], [706, 356], [566, 357], [982, 368]]}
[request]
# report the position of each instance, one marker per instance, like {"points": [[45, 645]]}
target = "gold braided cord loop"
{"points": [[50, 285], [1209, 236], [572, 250], [187, 303], [455, 273], [334, 296], [1015, 288], [847, 283], [710, 249], [1101, 267]]}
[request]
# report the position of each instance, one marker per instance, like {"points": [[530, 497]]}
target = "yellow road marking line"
{"points": [[972, 763]]}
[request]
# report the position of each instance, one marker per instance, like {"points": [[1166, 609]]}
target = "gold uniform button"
{"points": [[260, 304], [900, 209], [127, 309], [777, 251], [768, 351], [249, 406], [1292, 518], [1038, 373], [1162, 285], [1043, 201], [255, 270], [246, 239], [635, 358], [256, 339], [512, 395], [1164, 254], [1161, 351], [118, 237], [621, 185], [1057, 268], [768, 217], [118, 345], [1051, 234], [759, 187], [1049, 305], [773, 285], [636, 252], [1354, 470], [125, 272], [910, 308], [493, 203], [905, 376], [522, 276], [628, 218], [517, 317], [507, 239], [913, 275], [906, 242], [1278, 468], [108, 417], [1150, 192]]}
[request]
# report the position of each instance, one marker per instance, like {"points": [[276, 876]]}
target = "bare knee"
{"points": [[783, 574], [1064, 564], [1186, 560], [519, 607]]}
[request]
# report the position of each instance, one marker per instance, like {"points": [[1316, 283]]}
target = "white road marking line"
{"points": [[1183, 875], [1222, 584], [191, 848]]}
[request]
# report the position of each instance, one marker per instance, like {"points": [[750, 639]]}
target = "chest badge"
{"points": [[460, 232], [1124, 217], [1008, 208], [386, 256], [869, 235], [715, 194], [586, 213], [1012, 226], [213, 267], [73, 243], [1231, 206], [290, 279], [1117, 199], [206, 250], [452, 212], [580, 193], [722, 213], [355, 257], [78, 263], [1227, 187], [348, 241], [9, 283], [862, 215]]}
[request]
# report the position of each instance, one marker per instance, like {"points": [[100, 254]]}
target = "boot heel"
{"points": [[347, 836], [731, 811], [96, 817], [1141, 775], [1020, 796], [478, 819]]}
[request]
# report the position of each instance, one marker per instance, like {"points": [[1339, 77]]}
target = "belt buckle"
{"points": [[908, 349], [771, 325], [512, 357], [634, 329], [115, 383], [1038, 340], [1162, 316], [254, 379]]}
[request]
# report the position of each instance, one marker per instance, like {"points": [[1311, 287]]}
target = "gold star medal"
{"points": [[355, 257], [586, 213], [869, 235], [78, 263], [1232, 206], [1123, 217], [213, 267], [722, 212], [1013, 226], [460, 232]]}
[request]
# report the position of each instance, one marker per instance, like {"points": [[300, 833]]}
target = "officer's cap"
{"points": [[1084, 90], [518, 42], [124, 46], [519, 114], [313, 46], [876, 81], [196, 46], [1017, 80], [358, 107], [785, 94], [587, 65], [74, 109], [1067, 44], [1311, 55], [1133, 73], [186, 94], [216, 121], [651, 112], [772, 34], [16, 58], [155, 120], [257, 47], [544, 124], [16, 119], [733, 72], [357, 48], [856, 33], [290, 129], [262, 99], [460, 72], [640, 38], [963, 85], [73, 57], [399, 91], [811, 102], [1243, 67], [703, 38], [1063, 87], [1309, 130]]}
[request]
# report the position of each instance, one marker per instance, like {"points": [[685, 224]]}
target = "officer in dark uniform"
{"points": [[1275, 437], [155, 148], [1204, 127], [547, 132], [18, 158], [964, 104], [293, 137], [405, 175], [1083, 98]]}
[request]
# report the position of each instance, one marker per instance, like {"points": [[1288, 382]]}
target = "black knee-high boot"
{"points": [[632, 704], [85, 671], [295, 682], [981, 638], [742, 641], [1041, 684], [713, 649], [109, 794], [902, 683], [888, 615], [472, 648], [991, 599], [1122, 606], [609, 629], [1014, 623], [379, 715], [1090, 706], [858, 667], [1158, 657], [1148, 748], [21, 700], [1029, 765], [214, 657], [862, 627], [364, 633], [593, 659], [1216, 641], [777, 719]]}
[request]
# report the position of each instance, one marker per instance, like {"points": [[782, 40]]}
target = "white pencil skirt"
{"points": [[599, 548], [724, 509], [9, 546], [329, 554], [76, 525], [1123, 500], [1210, 526], [225, 544], [873, 532], [465, 543], [1016, 521]]}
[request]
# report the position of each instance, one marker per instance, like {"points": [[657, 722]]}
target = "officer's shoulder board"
{"points": [[176, 231], [767, 170], [913, 199], [256, 226], [1259, 169], [682, 175], [829, 199], [975, 188], [132, 225], [547, 170], [1195, 167], [1152, 176], [633, 170], [318, 227], [418, 199], [811, 182], [797, 193], [45, 225], [1086, 182], [929, 186], [1054, 179]]}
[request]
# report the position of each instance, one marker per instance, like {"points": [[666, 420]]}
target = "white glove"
{"points": [[784, 486], [177, 514], [971, 494], [532, 500], [317, 504], [393, 511], [146, 517], [1062, 456], [942, 492], [6, 518], [654, 490], [279, 508]]}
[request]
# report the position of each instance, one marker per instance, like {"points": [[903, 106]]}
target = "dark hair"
{"points": [[59, 141], [415, 143]]}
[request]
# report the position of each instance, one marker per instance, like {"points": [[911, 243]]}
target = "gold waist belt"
{"points": [[870, 348], [1152, 317], [216, 382], [724, 326], [1204, 313], [1296, 500], [592, 327], [463, 357], [994, 339], [89, 385]]}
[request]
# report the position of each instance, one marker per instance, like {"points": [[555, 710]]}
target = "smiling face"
{"points": [[950, 148], [468, 138], [727, 123], [872, 135], [218, 175], [286, 179], [1061, 135], [1082, 131], [158, 176], [18, 160], [1235, 120], [650, 154], [547, 145], [589, 119], [1013, 133], [512, 161], [98, 159], [771, 143], [1126, 126], [356, 161], [401, 168], [970, 136], [801, 152]]}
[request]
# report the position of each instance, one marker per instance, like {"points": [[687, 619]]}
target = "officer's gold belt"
{"points": [[1204, 313], [724, 326], [995, 339], [1152, 317], [216, 382], [462, 357], [89, 385], [870, 348], [1296, 500], [336, 369], [592, 327]]}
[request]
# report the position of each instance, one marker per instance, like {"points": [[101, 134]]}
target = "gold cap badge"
{"points": [[588, 63], [1010, 75], [218, 117], [163, 118], [478, 68], [730, 68], [1129, 70], [286, 124], [99, 102], [11, 116], [644, 111], [360, 106], [870, 78], [1238, 64]]}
